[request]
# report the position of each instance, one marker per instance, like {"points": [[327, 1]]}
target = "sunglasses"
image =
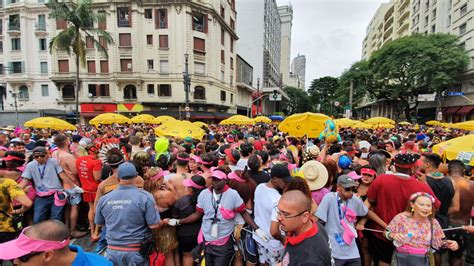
{"points": [[28, 256], [287, 216], [40, 156], [353, 189]]}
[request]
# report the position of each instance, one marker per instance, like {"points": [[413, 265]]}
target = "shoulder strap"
{"points": [[431, 238]]}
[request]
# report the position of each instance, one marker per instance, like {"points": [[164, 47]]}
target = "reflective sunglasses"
{"points": [[353, 189], [40, 156]]}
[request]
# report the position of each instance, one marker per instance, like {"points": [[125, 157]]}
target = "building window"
{"points": [[199, 22], [222, 57], [427, 4], [23, 94], [426, 20], [16, 44], [222, 75], [130, 92], [199, 93], [1, 46], [126, 65], [223, 96], [164, 65], [231, 44], [102, 42], [462, 29], [68, 92], [164, 90], [92, 90], [102, 24], [433, 14], [148, 13], [150, 88], [1, 26], [150, 64], [463, 10], [124, 16], [61, 24], [89, 42], [41, 22], [125, 40], [104, 66], [232, 24], [231, 63], [161, 19], [1, 69], [91, 66], [104, 90], [17, 67], [199, 68], [43, 46], [163, 41], [99, 90], [199, 45], [44, 90], [63, 66], [231, 80], [14, 22], [231, 98], [433, 28], [222, 12], [44, 67], [222, 36], [149, 39]]}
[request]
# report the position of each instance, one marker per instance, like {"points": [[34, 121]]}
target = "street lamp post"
{"points": [[187, 83], [14, 95]]}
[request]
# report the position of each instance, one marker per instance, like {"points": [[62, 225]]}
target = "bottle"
{"points": [[406, 239]]}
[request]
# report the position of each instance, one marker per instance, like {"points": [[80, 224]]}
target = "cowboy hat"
{"points": [[315, 174]]}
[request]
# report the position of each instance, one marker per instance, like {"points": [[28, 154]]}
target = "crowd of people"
{"points": [[242, 195]]}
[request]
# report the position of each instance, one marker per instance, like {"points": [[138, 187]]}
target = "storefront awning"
{"points": [[451, 110], [465, 110]]}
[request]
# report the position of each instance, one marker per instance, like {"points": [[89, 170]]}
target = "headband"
{"points": [[160, 174], [414, 196], [11, 157], [368, 171], [190, 183], [218, 173], [234, 176], [182, 158], [205, 163]]}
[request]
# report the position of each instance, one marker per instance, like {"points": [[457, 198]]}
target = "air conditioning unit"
{"points": [[129, 66]]}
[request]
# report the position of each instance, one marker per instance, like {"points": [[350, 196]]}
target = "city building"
{"points": [[25, 62], [425, 17], [244, 82], [298, 67], [286, 17], [259, 31]]}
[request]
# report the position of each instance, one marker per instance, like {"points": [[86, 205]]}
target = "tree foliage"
{"points": [[299, 101], [322, 93]]}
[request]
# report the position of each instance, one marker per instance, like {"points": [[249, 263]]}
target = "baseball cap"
{"points": [[24, 245], [344, 162], [230, 138], [346, 181], [127, 171], [281, 171], [364, 145], [40, 149], [233, 155]]}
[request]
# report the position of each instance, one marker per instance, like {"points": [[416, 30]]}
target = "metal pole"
{"points": [[14, 95], [351, 91], [258, 98], [187, 82]]}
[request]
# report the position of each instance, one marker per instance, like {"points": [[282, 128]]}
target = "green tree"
{"points": [[80, 19], [299, 101], [322, 93], [417, 64]]}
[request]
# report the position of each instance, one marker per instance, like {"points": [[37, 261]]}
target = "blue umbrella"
{"points": [[276, 117]]}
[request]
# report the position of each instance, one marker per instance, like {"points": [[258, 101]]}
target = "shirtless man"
{"points": [[68, 162], [182, 173], [463, 216]]}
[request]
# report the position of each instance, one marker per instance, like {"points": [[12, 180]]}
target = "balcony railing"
{"points": [[41, 26], [14, 26]]}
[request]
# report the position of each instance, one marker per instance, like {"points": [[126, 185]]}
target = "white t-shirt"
{"points": [[266, 199]]}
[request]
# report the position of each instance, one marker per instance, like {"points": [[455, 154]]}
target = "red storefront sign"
{"points": [[98, 108]]}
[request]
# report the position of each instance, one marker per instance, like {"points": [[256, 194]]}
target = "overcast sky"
{"points": [[329, 33]]}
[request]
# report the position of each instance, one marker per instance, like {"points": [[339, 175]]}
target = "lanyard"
{"points": [[215, 203], [341, 214], [42, 172]]}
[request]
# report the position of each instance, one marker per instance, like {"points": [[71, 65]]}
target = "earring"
{"points": [[412, 210]]}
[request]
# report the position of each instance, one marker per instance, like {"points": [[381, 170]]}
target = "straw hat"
{"points": [[315, 174]]}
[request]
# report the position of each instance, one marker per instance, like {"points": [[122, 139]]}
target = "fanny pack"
{"points": [[17, 220]]}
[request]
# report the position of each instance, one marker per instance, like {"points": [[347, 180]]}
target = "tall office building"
{"points": [[259, 31], [298, 67], [286, 17]]}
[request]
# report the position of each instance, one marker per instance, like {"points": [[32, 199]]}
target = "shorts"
{"points": [[74, 199], [460, 236], [88, 196], [269, 255], [187, 243], [381, 250]]}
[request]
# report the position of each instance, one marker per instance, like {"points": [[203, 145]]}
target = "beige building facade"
{"points": [[286, 17]]}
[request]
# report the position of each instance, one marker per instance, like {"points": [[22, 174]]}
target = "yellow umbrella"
{"points": [[359, 124], [109, 118], [433, 123], [238, 120], [147, 119], [178, 128], [163, 119], [50, 122], [262, 119], [383, 126], [344, 122], [299, 125], [404, 123], [379, 120], [468, 125], [461, 148], [200, 124]]}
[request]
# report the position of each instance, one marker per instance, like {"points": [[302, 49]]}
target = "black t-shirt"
{"points": [[312, 251], [182, 208], [259, 177]]}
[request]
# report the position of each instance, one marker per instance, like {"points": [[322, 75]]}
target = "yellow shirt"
{"points": [[9, 190]]}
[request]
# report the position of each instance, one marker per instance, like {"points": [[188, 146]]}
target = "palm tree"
{"points": [[80, 19]]}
